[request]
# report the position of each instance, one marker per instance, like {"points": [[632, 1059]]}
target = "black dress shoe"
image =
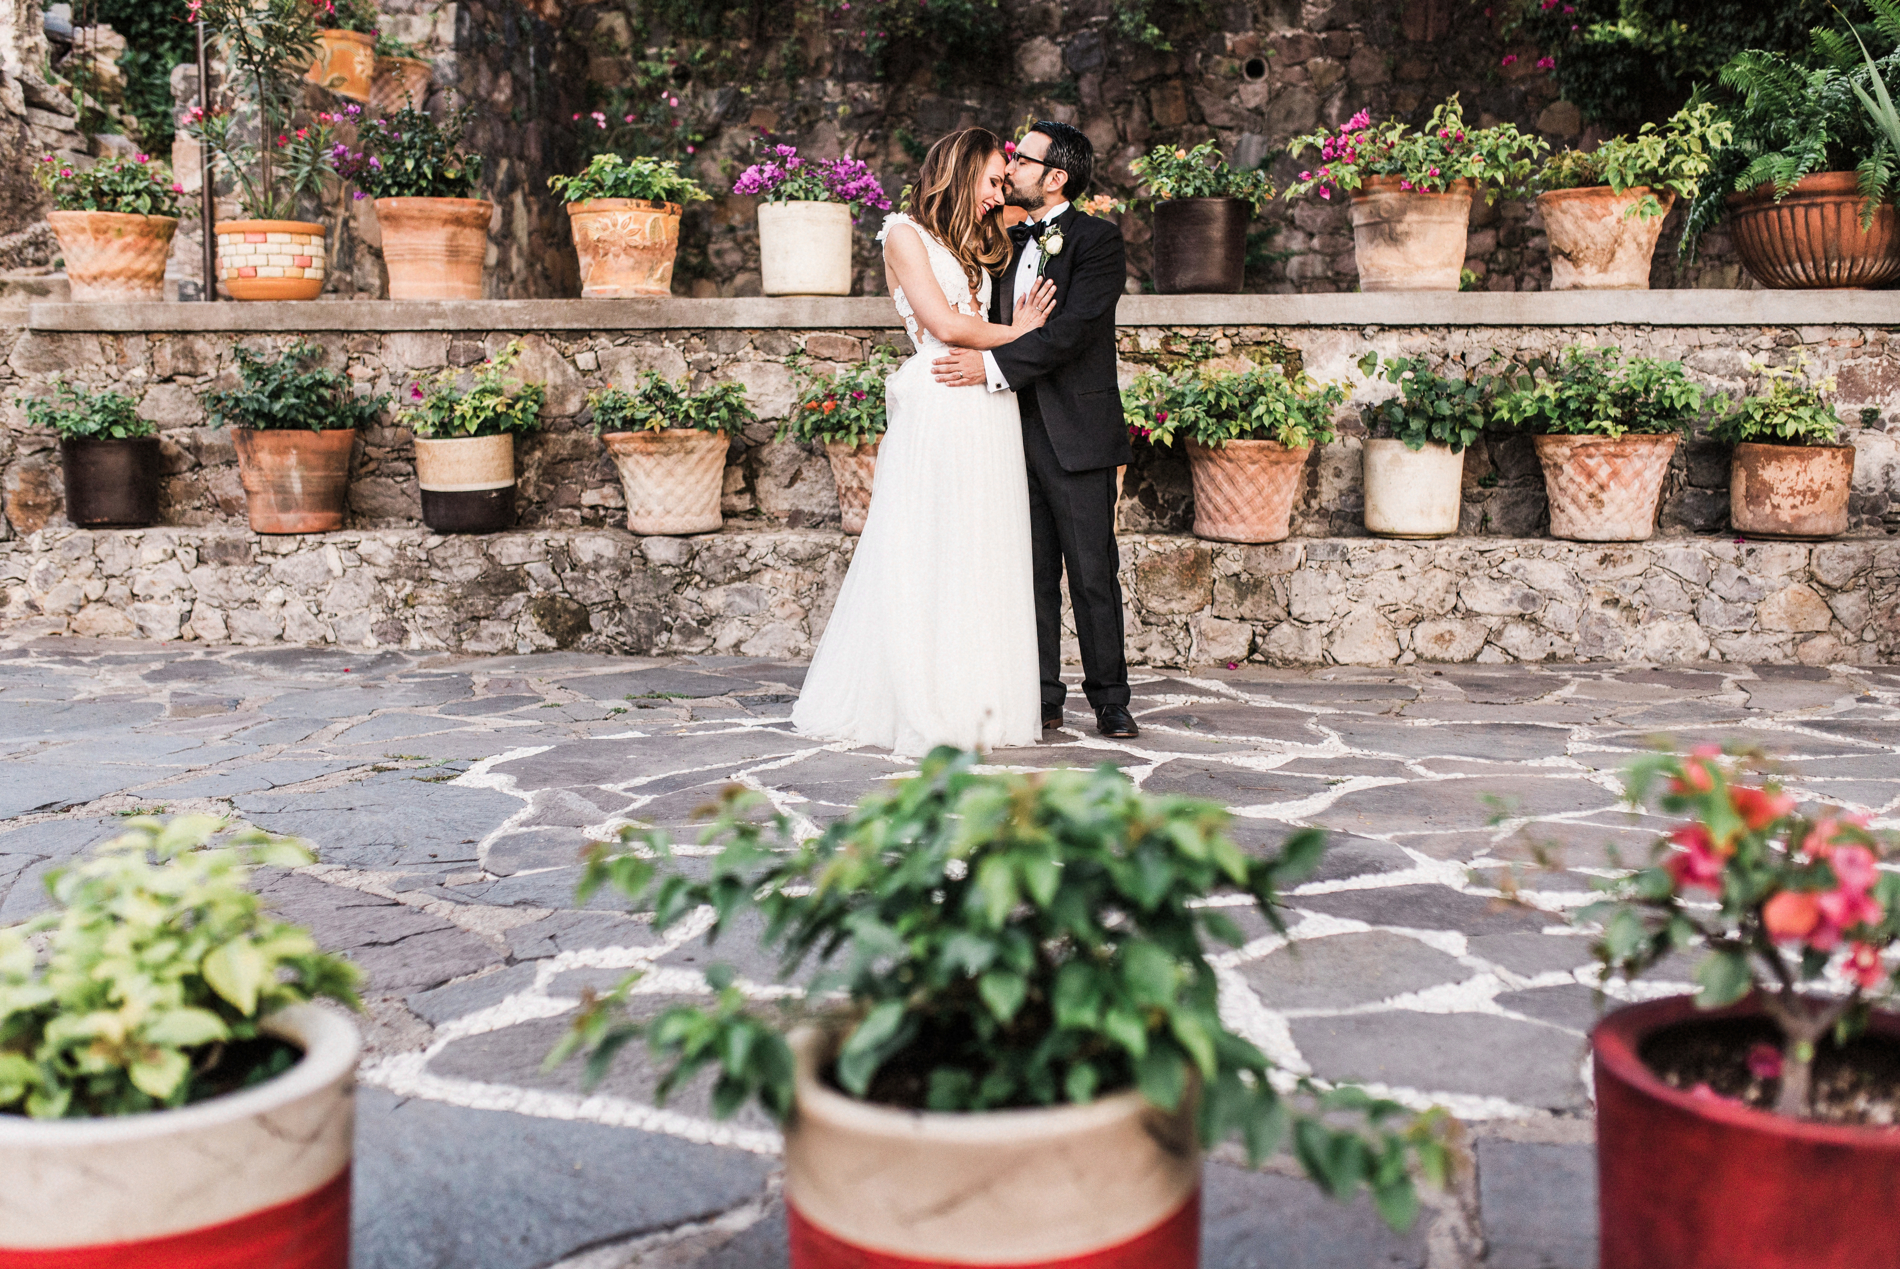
{"points": [[1051, 717], [1115, 722]]}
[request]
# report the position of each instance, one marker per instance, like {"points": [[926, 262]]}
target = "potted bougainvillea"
{"points": [[465, 423], [805, 218], [1021, 1058], [109, 455], [1414, 457], [435, 233], [1791, 476], [1411, 189], [844, 411], [625, 215], [346, 47], [669, 444], [1751, 1125], [114, 221], [157, 1046], [1202, 208]]}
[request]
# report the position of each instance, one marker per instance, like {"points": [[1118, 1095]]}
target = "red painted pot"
{"points": [[1691, 1183]]}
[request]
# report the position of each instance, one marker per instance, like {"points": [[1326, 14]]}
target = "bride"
{"points": [[933, 639]]}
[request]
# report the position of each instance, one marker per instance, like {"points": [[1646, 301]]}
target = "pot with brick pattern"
{"points": [[271, 259]]}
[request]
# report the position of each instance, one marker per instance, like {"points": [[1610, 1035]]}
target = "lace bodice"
{"points": [[950, 276]]}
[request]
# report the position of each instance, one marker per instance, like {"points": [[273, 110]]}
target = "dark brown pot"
{"points": [[111, 484], [1812, 237], [1790, 491], [294, 480], [1200, 245]]}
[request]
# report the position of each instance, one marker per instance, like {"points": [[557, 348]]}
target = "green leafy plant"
{"points": [[409, 155], [1000, 941], [484, 400], [266, 46], [655, 404], [360, 16], [135, 185], [290, 391], [1674, 158], [390, 46], [150, 979], [81, 414], [1793, 411], [845, 405], [1428, 160], [1214, 406], [1879, 102], [1149, 22], [156, 40], [1440, 408], [610, 176], [1202, 172], [1597, 392]]}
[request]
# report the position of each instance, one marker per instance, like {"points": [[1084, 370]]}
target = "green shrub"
{"points": [[654, 405], [360, 16], [1793, 411], [484, 400], [610, 176], [1446, 409], [81, 414], [1673, 159], [1428, 160], [846, 405], [1214, 407], [135, 185], [1202, 172], [409, 155], [1597, 392], [289, 392]]}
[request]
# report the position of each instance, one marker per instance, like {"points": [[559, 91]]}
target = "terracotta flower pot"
{"points": [[1412, 493], [114, 256], [1812, 237], [1114, 1184], [1790, 491], [626, 246], [1244, 491], [253, 1178], [1687, 1182], [434, 248], [294, 479], [672, 478], [1200, 245], [853, 467], [1594, 245], [468, 483], [1604, 490], [111, 483], [346, 63], [1406, 241], [399, 82], [804, 248], [271, 259]]}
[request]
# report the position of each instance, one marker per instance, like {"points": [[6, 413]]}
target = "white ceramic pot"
{"points": [[258, 1177], [1115, 1182], [805, 248], [1413, 493]]}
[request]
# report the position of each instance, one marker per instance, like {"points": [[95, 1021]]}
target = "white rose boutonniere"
{"points": [[1051, 244]]}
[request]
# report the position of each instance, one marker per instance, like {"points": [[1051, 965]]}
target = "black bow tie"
{"points": [[1021, 234]]}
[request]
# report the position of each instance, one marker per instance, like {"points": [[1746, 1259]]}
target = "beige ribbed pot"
{"points": [[434, 248], [1244, 490], [1407, 241], [805, 248], [626, 246], [346, 63], [1603, 489], [399, 82], [672, 478], [1412, 493], [1596, 243], [114, 256], [1790, 491], [853, 468]]}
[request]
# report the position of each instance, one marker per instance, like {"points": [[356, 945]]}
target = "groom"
{"points": [[1073, 433]]}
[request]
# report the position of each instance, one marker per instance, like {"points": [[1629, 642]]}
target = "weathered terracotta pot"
{"points": [[434, 248], [1200, 245], [1790, 491], [853, 468], [1111, 1185], [1594, 245], [804, 248], [295, 480], [1812, 237], [1687, 1182], [626, 246], [1406, 241], [468, 483], [1412, 493], [114, 256], [271, 259], [1244, 490], [399, 82], [254, 1178], [672, 478], [346, 63], [111, 482], [1604, 490]]}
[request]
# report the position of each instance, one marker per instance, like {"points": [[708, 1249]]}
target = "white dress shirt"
{"points": [[1025, 278]]}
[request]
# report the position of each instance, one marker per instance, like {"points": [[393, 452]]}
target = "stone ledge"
{"points": [[872, 312], [766, 593]]}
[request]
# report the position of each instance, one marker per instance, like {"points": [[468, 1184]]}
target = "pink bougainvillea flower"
{"points": [[1791, 915], [1696, 777], [1326, 193], [1764, 1062], [1546, 63], [1854, 868], [1509, 58], [1864, 967], [1758, 807], [1696, 863], [1844, 909]]}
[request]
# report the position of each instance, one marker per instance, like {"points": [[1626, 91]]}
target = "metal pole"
{"points": [[207, 179]]}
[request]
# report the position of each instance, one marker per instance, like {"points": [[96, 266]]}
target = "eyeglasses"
{"points": [[1024, 158]]}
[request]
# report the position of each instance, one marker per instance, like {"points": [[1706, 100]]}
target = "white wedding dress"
{"points": [[933, 639]]}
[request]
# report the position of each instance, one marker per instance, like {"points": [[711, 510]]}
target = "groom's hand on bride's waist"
{"points": [[960, 368]]}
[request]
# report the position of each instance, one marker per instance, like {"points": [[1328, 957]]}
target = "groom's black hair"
{"points": [[1071, 151]]}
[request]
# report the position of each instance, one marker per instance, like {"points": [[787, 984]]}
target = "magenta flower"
{"points": [[1546, 63], [1508, 59]]}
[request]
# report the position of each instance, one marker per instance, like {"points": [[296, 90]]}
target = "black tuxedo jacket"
{"points": [[1069, 362]]}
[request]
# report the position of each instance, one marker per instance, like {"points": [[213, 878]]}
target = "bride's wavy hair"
{"points": [[945, 202]]}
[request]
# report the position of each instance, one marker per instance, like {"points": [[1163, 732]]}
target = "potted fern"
{"points": [[1202, 207], [110, 455], [465, 423], [625, 215], [844, 411], [1791, 476], [1017, 1057], [1414, 457], [346, 47], [157, 1045], [114, 222], [402, 76], [669, 444], [434, 231]]}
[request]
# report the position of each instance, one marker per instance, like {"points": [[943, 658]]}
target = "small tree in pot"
{"points": [[346, 47], [157, 1044], [669, 444], [1415, 455], [465, 423], [114, 222], [625, 215], [435, 234], [805, 218], [1202, 207], [1025, 1013], [1791, 476], [845, 411], [109, 454]]}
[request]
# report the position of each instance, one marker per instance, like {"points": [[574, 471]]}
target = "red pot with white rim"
{"points": [[258, 1179], [1111, 1185]]}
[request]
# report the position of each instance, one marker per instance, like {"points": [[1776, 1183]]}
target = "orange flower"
{"points": [[1791, 915], [830, 406], [1758, 807]]}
